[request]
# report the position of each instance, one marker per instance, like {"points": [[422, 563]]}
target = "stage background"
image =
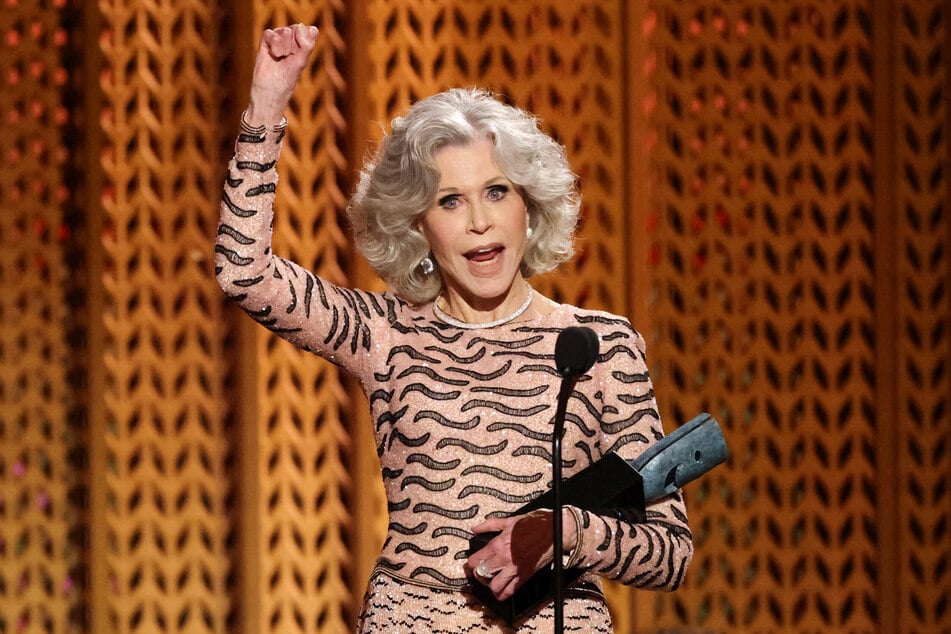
{"points": [[766, 194]]}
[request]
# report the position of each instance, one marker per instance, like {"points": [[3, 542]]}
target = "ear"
{"points": [[418, 224], [422, 231]]}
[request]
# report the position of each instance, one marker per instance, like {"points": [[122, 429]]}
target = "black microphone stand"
{"points": [[575, 352], [567, 385]]}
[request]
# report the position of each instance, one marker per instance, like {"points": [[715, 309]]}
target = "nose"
{"points": [[480, 219]]}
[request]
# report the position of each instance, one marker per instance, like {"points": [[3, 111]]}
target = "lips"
{"points": [[484, 254]]}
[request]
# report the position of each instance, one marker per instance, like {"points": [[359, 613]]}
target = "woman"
{"points": [[465, 199]]}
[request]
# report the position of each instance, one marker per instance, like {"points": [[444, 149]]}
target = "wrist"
{"points": [[569, 530], [262, 116], [254, 123], [571, 542]]}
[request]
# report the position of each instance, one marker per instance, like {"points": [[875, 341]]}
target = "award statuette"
{"points": [[615, 487]]}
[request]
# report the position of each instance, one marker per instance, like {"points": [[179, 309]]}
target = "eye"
{"points": [[449, 202], [498, 192]]}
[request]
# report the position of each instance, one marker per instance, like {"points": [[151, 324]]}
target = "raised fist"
{"points": [[281, 59]]}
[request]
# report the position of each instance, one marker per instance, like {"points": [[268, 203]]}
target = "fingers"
{"points": [[270, 41], [521, 548], [289, 40], [306, 36], [480, 564], [505, 587], [485, 569], [503, 581], [279, 42], [476, 561]]}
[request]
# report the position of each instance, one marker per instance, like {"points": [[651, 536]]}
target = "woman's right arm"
{"points": [[278, 294]]}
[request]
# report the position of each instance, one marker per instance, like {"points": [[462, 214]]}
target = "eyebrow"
{"points": [[496, 180]]}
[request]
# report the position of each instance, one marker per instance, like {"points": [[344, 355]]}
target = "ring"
{"points": [[483, 570]]}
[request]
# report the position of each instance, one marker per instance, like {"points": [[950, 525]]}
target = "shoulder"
{"points": [[597, 320], [615, 330], [405, 316]]}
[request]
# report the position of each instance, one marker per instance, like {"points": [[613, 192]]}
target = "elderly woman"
{"points": [[464, 200]]}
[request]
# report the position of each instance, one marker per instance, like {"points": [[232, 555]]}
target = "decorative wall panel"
{"points": [[765, 310], [39, 560], [777, 172], [302, 404], [922, 268], [166, 445]]}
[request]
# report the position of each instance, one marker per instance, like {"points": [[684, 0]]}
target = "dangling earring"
{"points": [[426, 265]]}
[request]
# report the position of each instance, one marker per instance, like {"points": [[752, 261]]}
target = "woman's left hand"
{"points": [[522, 548]]}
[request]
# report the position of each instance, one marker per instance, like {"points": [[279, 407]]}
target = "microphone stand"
{"points": [[576, 350], [567, 385]]}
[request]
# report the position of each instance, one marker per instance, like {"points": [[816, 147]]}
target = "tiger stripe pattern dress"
{"points": [[462, 422]]}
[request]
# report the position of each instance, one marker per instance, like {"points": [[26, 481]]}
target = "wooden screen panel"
{"points": [[302, 403], [764, 313], [166, 492], [39, 582], [922, 269]]}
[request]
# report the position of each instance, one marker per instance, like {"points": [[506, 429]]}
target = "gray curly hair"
{"points": [[398, 185]]}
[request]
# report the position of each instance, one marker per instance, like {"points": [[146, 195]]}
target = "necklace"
{"points": [[452, 321]]}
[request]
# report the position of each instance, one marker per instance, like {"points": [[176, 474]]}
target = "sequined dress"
{"points": [[461, 421]]}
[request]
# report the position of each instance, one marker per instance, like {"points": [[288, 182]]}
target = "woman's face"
{"points": [[476, 228]]}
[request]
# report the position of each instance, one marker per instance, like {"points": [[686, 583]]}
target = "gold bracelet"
{"points": [[260, 130], [576, 551]]}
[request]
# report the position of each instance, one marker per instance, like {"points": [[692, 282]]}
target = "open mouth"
{"points": [[484, 254]]}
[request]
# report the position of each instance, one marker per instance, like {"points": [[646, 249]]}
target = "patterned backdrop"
{"points": [[39, 555], [766, 193], [765, 312]]}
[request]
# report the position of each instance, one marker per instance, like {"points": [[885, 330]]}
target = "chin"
{"points": [[495, 289]]}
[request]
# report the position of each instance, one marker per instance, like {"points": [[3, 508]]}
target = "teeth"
{"points": [[482, 255]]}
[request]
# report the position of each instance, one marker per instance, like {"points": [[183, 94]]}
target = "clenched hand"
{"points": [[281, 59]]}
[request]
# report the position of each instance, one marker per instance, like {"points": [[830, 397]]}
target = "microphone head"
{"points": [[576, 350]]}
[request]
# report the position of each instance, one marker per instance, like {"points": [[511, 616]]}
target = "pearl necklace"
{"points": [[452, 321]]}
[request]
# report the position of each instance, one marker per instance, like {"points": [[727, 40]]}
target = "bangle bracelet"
{"points": [[260, 130], [576, 551]]}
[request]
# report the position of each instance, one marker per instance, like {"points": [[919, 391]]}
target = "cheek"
{"points": [[438, 238], [425, 227]]}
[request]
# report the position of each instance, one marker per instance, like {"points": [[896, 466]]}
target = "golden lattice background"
{"points": [[766, 193]]}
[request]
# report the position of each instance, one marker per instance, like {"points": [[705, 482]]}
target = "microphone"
{"points": [[576, 350]]}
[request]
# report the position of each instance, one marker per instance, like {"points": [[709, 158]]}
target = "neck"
{"points": [[510, 309]]}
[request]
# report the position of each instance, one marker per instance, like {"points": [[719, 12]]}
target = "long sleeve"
{"points": [[292, 302], [654, 554]]}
